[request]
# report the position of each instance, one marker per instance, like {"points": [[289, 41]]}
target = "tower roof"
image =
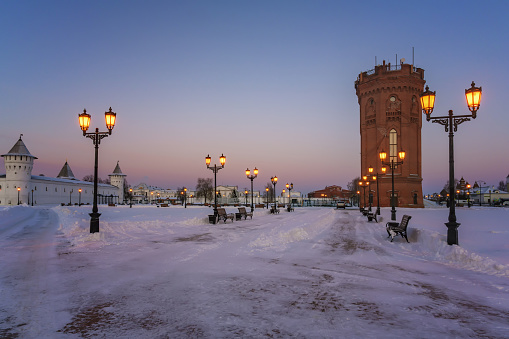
{"points": [[117, 170], [66, 172], [19, 148]]}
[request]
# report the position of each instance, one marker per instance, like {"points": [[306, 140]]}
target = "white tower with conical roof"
{"points": [[117, 178], [18, 173]]}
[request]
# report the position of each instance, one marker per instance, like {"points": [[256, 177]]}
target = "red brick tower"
{"points": [[391, 121]]}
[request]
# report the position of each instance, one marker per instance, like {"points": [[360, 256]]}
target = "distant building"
{"points": [[18, 181], [391, 121], [331, 192]]}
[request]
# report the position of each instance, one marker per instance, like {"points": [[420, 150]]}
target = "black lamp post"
{"points": [[289, 187], [274, 182], [364, 184], [267, 196], [215, 169], [185, 197], [19, 189], [79, 197], [451, 122], [32, 197], [130, 198], [84, 120], [375, 177], [245, 196], [476, 185], [392, 164], [252, 177]]}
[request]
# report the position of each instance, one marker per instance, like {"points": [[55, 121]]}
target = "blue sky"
{"points": [[268, 83]]}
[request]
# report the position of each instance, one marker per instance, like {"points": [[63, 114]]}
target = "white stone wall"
{"points": [[52, 191]]}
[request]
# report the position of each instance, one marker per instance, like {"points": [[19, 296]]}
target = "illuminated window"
{"points": [[393, 145]]}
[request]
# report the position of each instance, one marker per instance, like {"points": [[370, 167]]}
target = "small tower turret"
{"points": [[18, 172], [117, 178], [66, 172]]}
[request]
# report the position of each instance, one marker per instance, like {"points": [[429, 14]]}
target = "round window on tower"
{"points": [[392, 98]]}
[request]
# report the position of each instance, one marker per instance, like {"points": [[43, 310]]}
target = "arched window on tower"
{"points": [[393, 145]]}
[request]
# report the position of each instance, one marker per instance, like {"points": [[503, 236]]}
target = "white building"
{"points": [[147, 194], [19, 186]]}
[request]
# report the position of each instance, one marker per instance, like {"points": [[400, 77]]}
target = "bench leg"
{"points": [[404, 234]]}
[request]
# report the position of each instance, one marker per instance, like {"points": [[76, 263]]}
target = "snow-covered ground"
{"points": [[313, 273]]}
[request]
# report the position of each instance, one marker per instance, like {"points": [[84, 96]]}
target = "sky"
{"points": [[167, 273], [269, 84]]}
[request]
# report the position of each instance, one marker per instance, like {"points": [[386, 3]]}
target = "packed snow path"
{"points": [[167, 273], [27, 266]]}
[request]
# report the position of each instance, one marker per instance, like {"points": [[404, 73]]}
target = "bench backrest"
{"points": [[404, 221], [242, 210], [221, 211]]}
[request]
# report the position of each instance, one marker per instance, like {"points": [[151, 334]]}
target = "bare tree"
{"points": [[204, 188], [502, 185], [127, 193], [90, 178], [353, 185], [446, 186]]}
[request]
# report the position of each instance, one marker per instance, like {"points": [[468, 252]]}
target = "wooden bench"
{"points": [[260, 206], [274, 210], [290, 208], [394, 228], [221, 214], [244, 213]]}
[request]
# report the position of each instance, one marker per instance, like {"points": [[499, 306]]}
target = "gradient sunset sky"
{"points": [[268, 83]]}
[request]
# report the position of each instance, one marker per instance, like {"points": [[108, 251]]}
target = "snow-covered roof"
{"points": [[19, 148]]}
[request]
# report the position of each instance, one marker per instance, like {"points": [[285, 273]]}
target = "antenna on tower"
{"points": [[375, 61], [412, 56]]}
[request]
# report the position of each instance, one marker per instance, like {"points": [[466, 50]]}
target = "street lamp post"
{"points": [[84, 120], [375, 177], [476, 185], [274, 182], [185, 197], [364, 184], [468, 186], [367, 184], [451, 122], [252, 177], [32, 197], [267, 196], [19, 189], [130, 198], [79, 197], [289, 187], [392, 164], [245, 196], [215, 169]]}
